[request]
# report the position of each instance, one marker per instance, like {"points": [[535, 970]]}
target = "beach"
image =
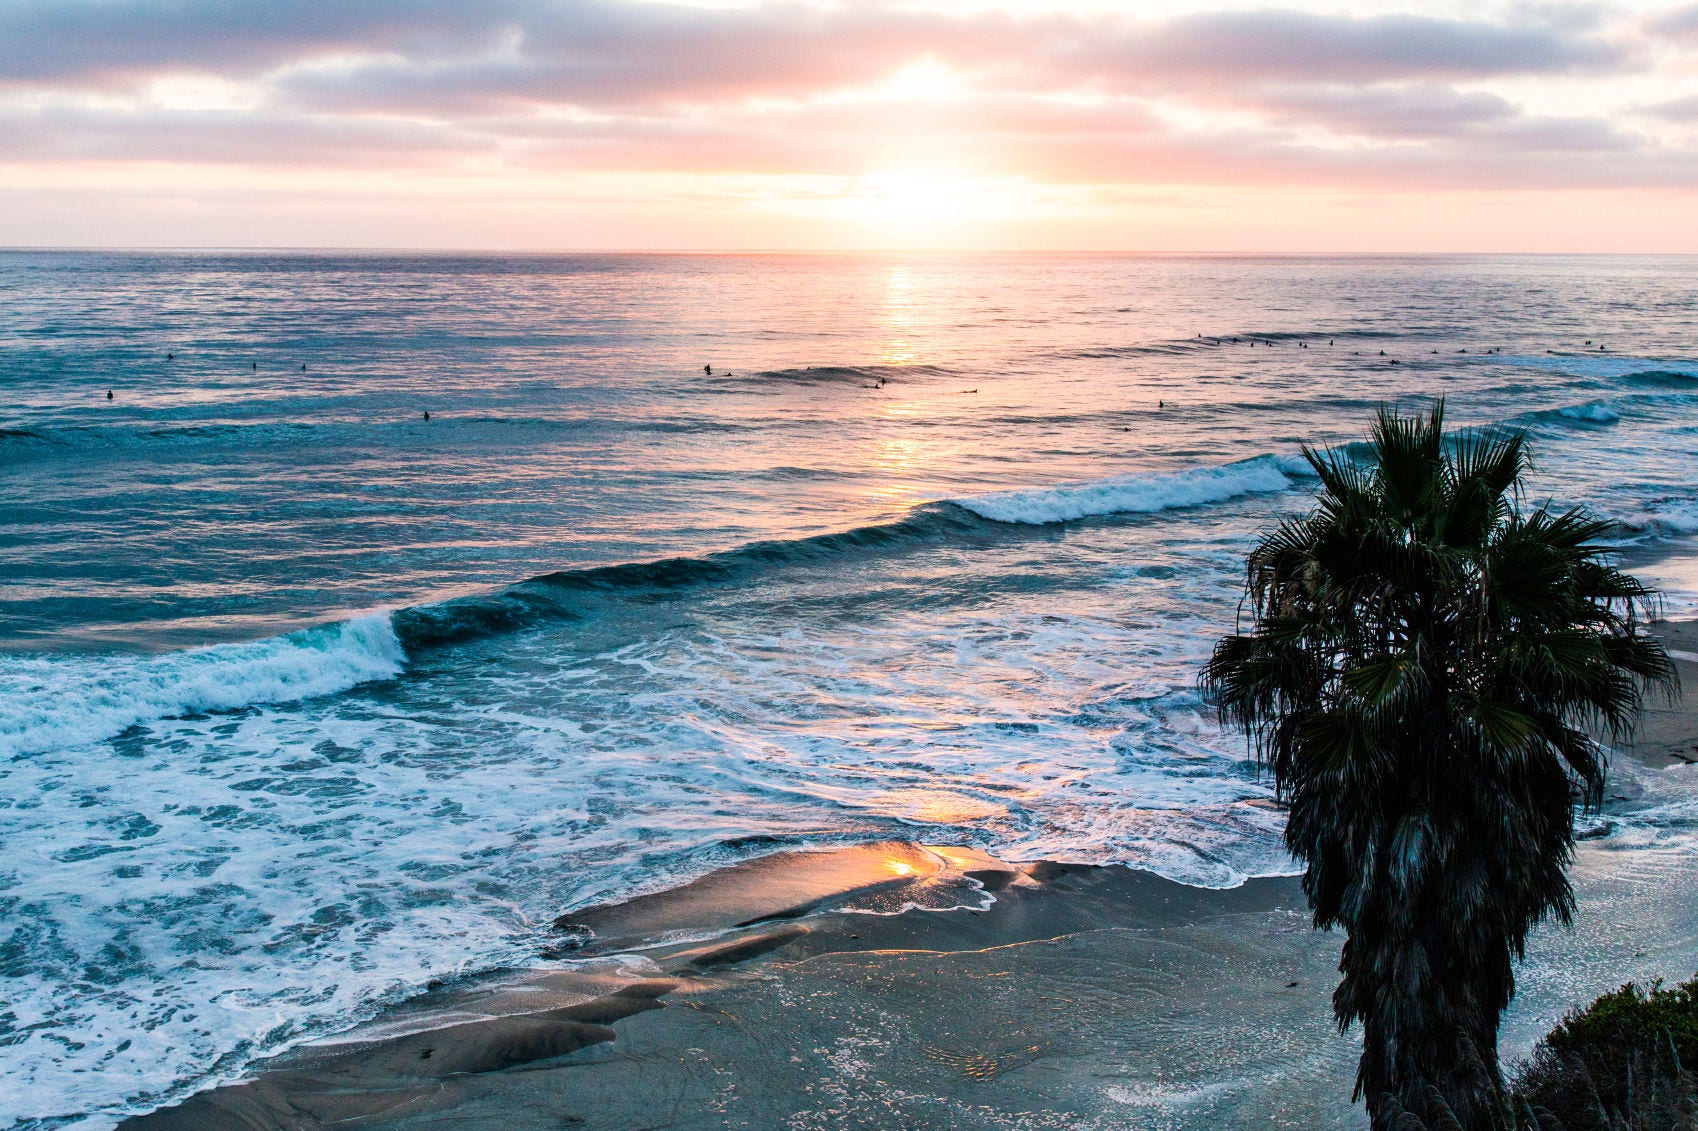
{"points": [[645, 564], [316, 715], [897, 984]]}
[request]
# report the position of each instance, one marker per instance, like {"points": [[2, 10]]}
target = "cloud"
{"points": [[637, 55], [599, 51], [73, 133], [1308, 47], [1405, 111], [93, 42], [1675, 110], [1680, 24], [1252, 97]]}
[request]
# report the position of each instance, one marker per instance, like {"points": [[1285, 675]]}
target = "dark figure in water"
{"points": [[303, 369], [427, 414], [708, 369], [1382, 353], [170, 357], [256, 366], [108, 394], [1161, 404]]}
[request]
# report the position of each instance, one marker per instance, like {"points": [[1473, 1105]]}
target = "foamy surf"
{"points": [[1131, 494], [61, 701], [1592, 412]]}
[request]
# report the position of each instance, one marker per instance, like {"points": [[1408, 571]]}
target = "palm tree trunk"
{"points": [[1429, 1060]]}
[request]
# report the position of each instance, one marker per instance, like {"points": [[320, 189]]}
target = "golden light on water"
{"points": [[934, 806]]}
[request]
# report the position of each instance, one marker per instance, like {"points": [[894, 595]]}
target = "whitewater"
{"points": [[307, 703]]}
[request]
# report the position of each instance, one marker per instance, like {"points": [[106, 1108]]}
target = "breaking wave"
{"points": [[1133, 494], [58, 701]]}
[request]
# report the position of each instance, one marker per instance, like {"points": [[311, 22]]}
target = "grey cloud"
{"points": [[73, 42], [581, 46], [1435, 114], [597, 84], [1679, 24], [1675, 110], [1307, 47], [783, 52], [604, 52], [1401, 111]]}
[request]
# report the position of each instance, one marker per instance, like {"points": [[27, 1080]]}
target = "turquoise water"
{"points": [[306, 700]]}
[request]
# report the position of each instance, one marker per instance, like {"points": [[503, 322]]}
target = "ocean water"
{"points": [[307, 700]]}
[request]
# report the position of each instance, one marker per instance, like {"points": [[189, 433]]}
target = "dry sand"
{"points": [[794, 991]]}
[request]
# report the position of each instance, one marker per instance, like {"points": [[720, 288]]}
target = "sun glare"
{"points": [[923, 80], [913, 197], [922, 208]]}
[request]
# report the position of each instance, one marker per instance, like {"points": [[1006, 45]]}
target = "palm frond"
{"points": [[1424, 666]]}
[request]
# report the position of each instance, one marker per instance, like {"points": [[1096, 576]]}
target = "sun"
{"points": [[918, 208], [912, 198]]}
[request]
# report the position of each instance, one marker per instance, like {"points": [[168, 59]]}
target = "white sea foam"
{"points": [[1592, 412], [1131, 494], [1678, 517], [59, 701], [260, 879]]}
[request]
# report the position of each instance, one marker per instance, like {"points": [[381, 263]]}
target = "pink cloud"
{"points": [[605, 85]]}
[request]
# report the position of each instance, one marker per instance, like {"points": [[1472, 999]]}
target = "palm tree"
{"points": [[1424, 675]]}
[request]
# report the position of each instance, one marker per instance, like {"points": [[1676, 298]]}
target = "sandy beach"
{"points": [[901, 984]]}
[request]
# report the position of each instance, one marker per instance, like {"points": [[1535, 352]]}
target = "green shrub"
{"points": [[1624, 1063]]}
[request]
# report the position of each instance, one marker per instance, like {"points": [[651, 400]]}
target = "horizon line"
{"points": [[402, 249]]}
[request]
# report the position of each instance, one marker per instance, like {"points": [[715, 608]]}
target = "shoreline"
{"points": [[793, 1013], [934, 986]]}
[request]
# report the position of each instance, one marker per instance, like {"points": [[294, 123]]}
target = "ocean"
{"points": [[308, 700]]}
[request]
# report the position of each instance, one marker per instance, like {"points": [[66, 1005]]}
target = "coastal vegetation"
{"points": [[1624, 1063], [1427, 671]]}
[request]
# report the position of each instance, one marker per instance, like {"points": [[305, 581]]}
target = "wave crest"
{"points": [[1132, 494], [58, 701], [1583, 415]]}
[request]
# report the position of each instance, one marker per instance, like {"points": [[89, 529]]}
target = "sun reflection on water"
{"points": [[898, 318]]}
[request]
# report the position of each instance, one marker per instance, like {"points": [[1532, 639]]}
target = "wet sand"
{"points": [[1079, 996], [900, 985], [1668, 731]]}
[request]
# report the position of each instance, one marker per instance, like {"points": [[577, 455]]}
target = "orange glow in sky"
{"points": [[1179, 125]]}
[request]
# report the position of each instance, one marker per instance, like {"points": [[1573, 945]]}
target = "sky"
{"points": [[1172, 125]]}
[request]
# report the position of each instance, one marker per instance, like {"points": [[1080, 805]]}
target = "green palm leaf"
{"points": [[1422, 674]]}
